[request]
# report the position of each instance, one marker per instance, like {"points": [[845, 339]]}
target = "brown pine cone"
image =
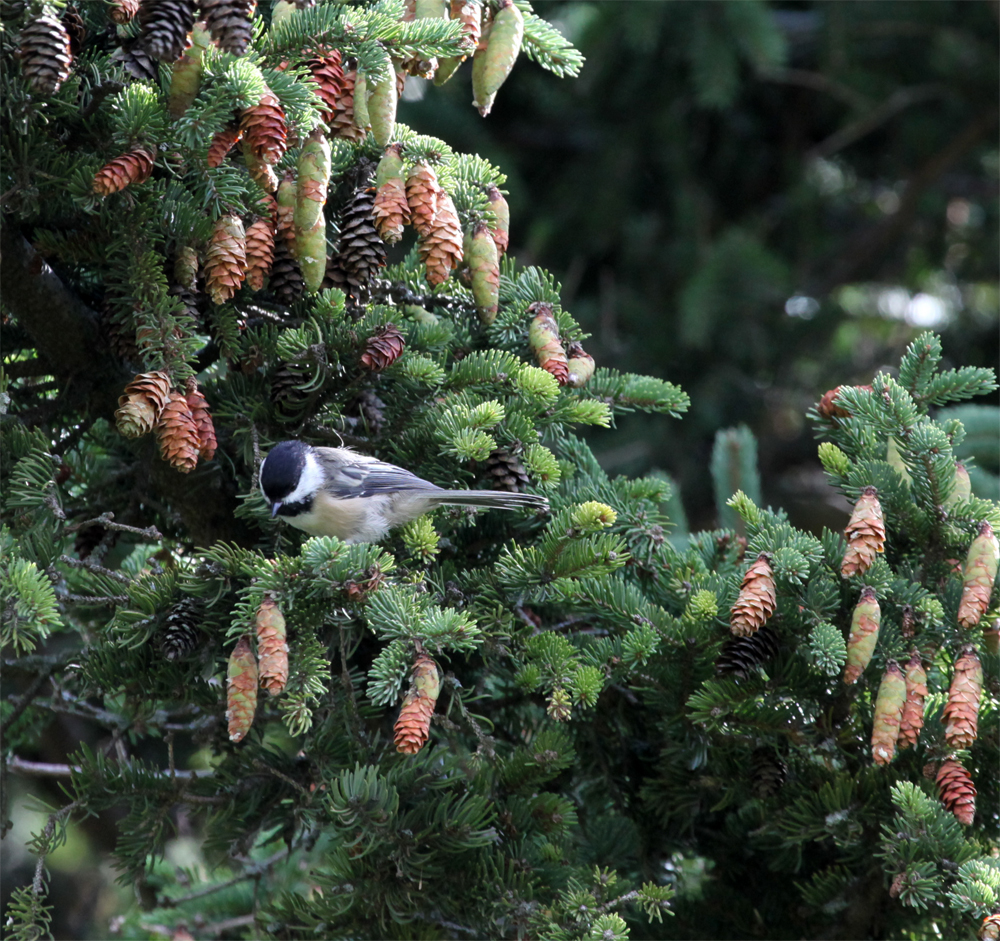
{"points": [[422, 195], [757, 599], [122, 11], [260, 252], [165, 27], [503, 471], [207, 443], [225, 260], [383, 348], [441, 249], [178, 434], [740, 656], [342, 119], [265, 129], [360, 251], [76, 29], [137, 62], [222, 143], [413, 725], [287, 388], [140, 407], [133, 167], [229, 23], [120, 337], [912, 720], [768, 772], [328, 74], [45, 52], [961, 712], [957, 791], [286, 281], [865, 534], [391, 209]]}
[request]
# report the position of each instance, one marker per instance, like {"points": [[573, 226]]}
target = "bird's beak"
{"points": [[274, 508]]}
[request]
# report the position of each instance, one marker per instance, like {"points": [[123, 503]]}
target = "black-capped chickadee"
{"points": [[338, 492]]}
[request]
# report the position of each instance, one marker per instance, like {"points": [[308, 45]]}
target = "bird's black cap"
{"points": [[282, 468]]}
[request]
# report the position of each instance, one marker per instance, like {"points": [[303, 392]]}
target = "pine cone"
{"points": [[390, 209], [272, 647], [768, 772], [383, 348], [328, 74], [908, 622], [122, 11], [120, 337], [226, 259], [756, 601], [740, 656], [241, 690], [287, 388], [543, 338], [182, 629], [484, 272], [865, 534], [286, 281], [165, 27], [370, 412], [360, 251], [989, 930], [503, 471], [178, 434], [207, 443], [888, 712], [441, 249], [560, 705], [45, 52], [580, 365], [260, 252], [137, 62], [260, 172], [265, 129], [957, 791], [342, 122], [412, 728], [979, 575], [140, 407], [229, 23], [501, 233], [865, 623], [133, 167], [422, 195], [76, 29], [912, 720], [222, 143], [961, 712]]}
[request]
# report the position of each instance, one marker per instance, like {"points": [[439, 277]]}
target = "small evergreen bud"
{"points": [[586, 685], [421, 539], [835, 462], [702, 605], [559, 706], [592, 516], [543, 466], [537, 383]]}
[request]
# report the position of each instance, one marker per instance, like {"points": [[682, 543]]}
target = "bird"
{"points": [[357, 498]]}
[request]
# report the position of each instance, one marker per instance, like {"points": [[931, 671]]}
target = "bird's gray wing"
{"points": [[367, 477]]}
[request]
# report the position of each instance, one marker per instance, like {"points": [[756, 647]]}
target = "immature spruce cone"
{"points": [[76, 29], [757, 600], [978, 576], [178, 434], [441, 249], [328, 74], [226, 259], [342, 120], [391, 209], [241, 689], [144, 400], [503, 471], [957, 791], [989, 930], [222, 143], [272, 647], [264, 127], [229, 23], [740, 656], [207, 443], [182, 629], [413, 725], [360, 251], [383, 348], [133, 167], [165, 27], [286, 281], [423, 193], [961, 712], [865, 534], [45, 52], [768, 772], [260, 252], [912, 720], [122, 11]]}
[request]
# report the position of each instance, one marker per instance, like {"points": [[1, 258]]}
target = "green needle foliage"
{"points": [[590, 770]]}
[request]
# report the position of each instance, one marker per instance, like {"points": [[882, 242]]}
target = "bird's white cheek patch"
{"points": [[310, 482]]}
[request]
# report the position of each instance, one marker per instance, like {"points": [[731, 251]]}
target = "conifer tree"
{"points": [[502, 725]]}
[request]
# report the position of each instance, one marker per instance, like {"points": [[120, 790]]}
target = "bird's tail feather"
{"points": [[498, 499]]}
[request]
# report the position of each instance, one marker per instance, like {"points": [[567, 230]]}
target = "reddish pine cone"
{"points": [[133, 167], [383, 348], [757, 599], [865, 623], [957, 791], [441, 249], [989, 930], [272, 647], [391, 211], [226, 259], [413, 726], [912, 720], [202, 417], [961, 712], [178, 434], [543, 338], [980, 572], [141, 405], [222, 143], [122, 11], [865, 534], [260, 252], [45, 52], [328, 74], [422, 195], [241, 690], [828, 406], [888, 713], [265, 129]]}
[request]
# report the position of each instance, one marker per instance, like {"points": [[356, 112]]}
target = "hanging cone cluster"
{"points": [[272, 647], [45, 52], [865, 534], [222, 143], [543, 338], [580, 365], [888, 713], [202, 418], [503, 471], [741, 656], [241, 690], [226, 259], [360, 250], [496, 55], [757, 599], [181, 629], [912, 720], [469, 13], [957, 791], [140, 407], [260, 252], [977, 579], [264, 129], [961, 712], [390, 209], [178, 434], [165, 26], [122, 11], [865, 623], [484, 270], [229, 23], [383, 348], [133, 167], [413, 726], [767, 772]]}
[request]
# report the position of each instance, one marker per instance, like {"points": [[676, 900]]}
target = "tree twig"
{"points": [[107, 521], [94, 567], [41, 769]]}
